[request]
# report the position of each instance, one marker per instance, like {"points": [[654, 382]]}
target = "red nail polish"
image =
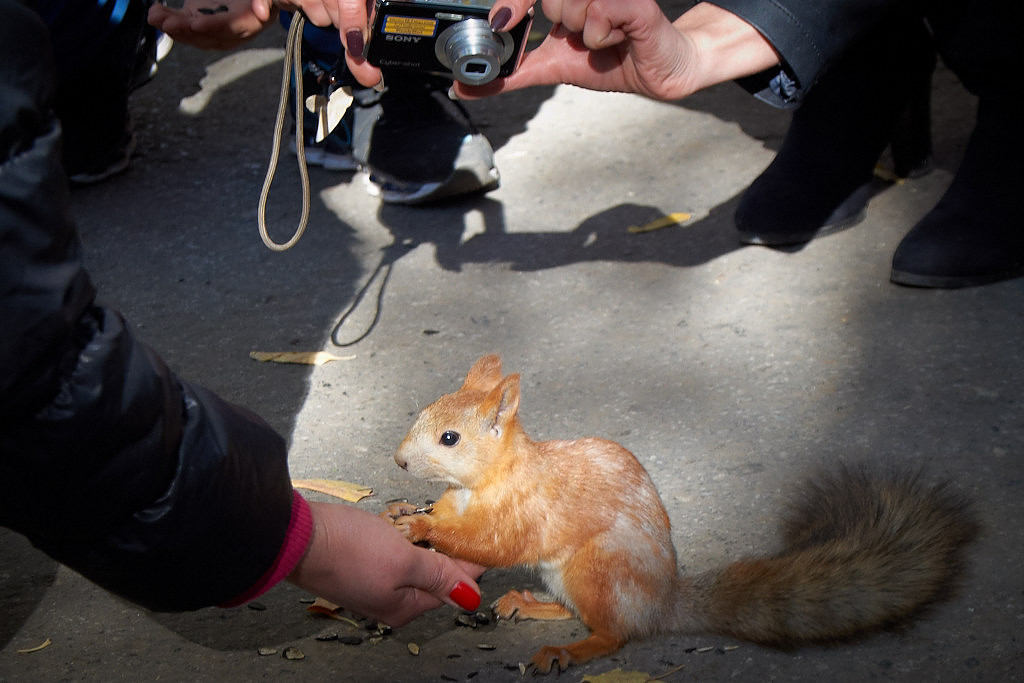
{"points": [[465, 597]]}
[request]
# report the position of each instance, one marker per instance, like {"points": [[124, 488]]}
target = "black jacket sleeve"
{"points": [[147, 485], [809, 35]]}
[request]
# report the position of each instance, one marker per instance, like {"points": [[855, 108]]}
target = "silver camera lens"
{"points": [[473, 51]]}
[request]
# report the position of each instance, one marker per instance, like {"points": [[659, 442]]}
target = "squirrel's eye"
{"points": [[449, 438]]}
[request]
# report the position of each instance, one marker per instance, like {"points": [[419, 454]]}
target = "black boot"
{"points": [[975, 234], [823, 176]]}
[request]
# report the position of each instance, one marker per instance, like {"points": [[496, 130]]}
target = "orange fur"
{"points": [[861, 550]]}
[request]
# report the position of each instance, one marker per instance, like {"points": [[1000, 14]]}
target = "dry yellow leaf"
{"points": [[888, 175], [298, 357], [353, 493], [329, 609], [663, 222], [618, 676], [29, 650], [323, 605]]}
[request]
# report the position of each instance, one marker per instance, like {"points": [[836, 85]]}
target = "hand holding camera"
{"points": [[451, 37]]}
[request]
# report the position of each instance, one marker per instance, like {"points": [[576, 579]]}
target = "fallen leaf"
{"points": [[29, 650], [328, 608], [618, 676], [669, 673], [353, 493], [323, 605], [663, 222], [297, 357], [888, 175]]}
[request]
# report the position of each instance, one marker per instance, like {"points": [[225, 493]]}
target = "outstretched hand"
{"points": [[351, 18], [631, 46], [204, 24], [363, 563], [621, 45]]}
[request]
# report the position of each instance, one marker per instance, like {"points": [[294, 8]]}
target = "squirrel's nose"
{"points": [[401, 462]]}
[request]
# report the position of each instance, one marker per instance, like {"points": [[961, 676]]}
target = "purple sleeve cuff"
{"points": [[300, 530]]}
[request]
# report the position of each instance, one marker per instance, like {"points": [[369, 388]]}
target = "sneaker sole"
{"points": [[119, 166], [461, 183], [315, 156]]}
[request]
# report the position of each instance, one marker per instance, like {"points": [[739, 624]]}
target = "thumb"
{"points": [[263, 9], [540, 66]]}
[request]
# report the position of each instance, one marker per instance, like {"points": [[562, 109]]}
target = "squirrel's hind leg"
{"points": [[596, 644]]}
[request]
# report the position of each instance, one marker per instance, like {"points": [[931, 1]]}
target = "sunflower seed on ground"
{"points": [[264, 651], [381, 629], [293, 653], [466, 620], [413, 648]]}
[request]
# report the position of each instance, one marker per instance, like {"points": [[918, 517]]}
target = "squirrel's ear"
{"points": [[501, 405], [485, 374]]}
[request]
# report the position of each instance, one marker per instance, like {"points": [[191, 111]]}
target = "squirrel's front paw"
{"points": [[413, 527], [399, 509]]}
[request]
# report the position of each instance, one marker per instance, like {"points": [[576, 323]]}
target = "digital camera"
{"points": [[451, 38]]}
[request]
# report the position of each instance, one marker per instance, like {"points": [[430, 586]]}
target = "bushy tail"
{"points": [[861, 551]]}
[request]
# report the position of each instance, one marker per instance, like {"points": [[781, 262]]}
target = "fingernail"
{"points": [[465, 597], [380, 85], [501, 18], [354, 41], [452, 95]]}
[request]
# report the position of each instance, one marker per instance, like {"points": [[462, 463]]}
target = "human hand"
{"points": [[221, 30], [363, 563], [351, 18], [631, 46]]}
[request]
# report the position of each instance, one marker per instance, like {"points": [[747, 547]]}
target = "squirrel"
{"points": [[861, 550]]}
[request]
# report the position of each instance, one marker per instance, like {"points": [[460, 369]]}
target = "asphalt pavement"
{"points": [[729, 371]]}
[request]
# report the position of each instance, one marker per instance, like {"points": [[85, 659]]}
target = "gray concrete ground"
{"points": [[729, 371]]}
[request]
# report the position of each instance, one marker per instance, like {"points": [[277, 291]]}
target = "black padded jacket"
{"points": [[147, 485], [810, 36]]}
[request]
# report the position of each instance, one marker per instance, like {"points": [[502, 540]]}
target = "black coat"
{"points": [[147, 485], [977, 39]]}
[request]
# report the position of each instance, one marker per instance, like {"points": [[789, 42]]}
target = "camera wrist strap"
{"points": [[292, 71]]}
